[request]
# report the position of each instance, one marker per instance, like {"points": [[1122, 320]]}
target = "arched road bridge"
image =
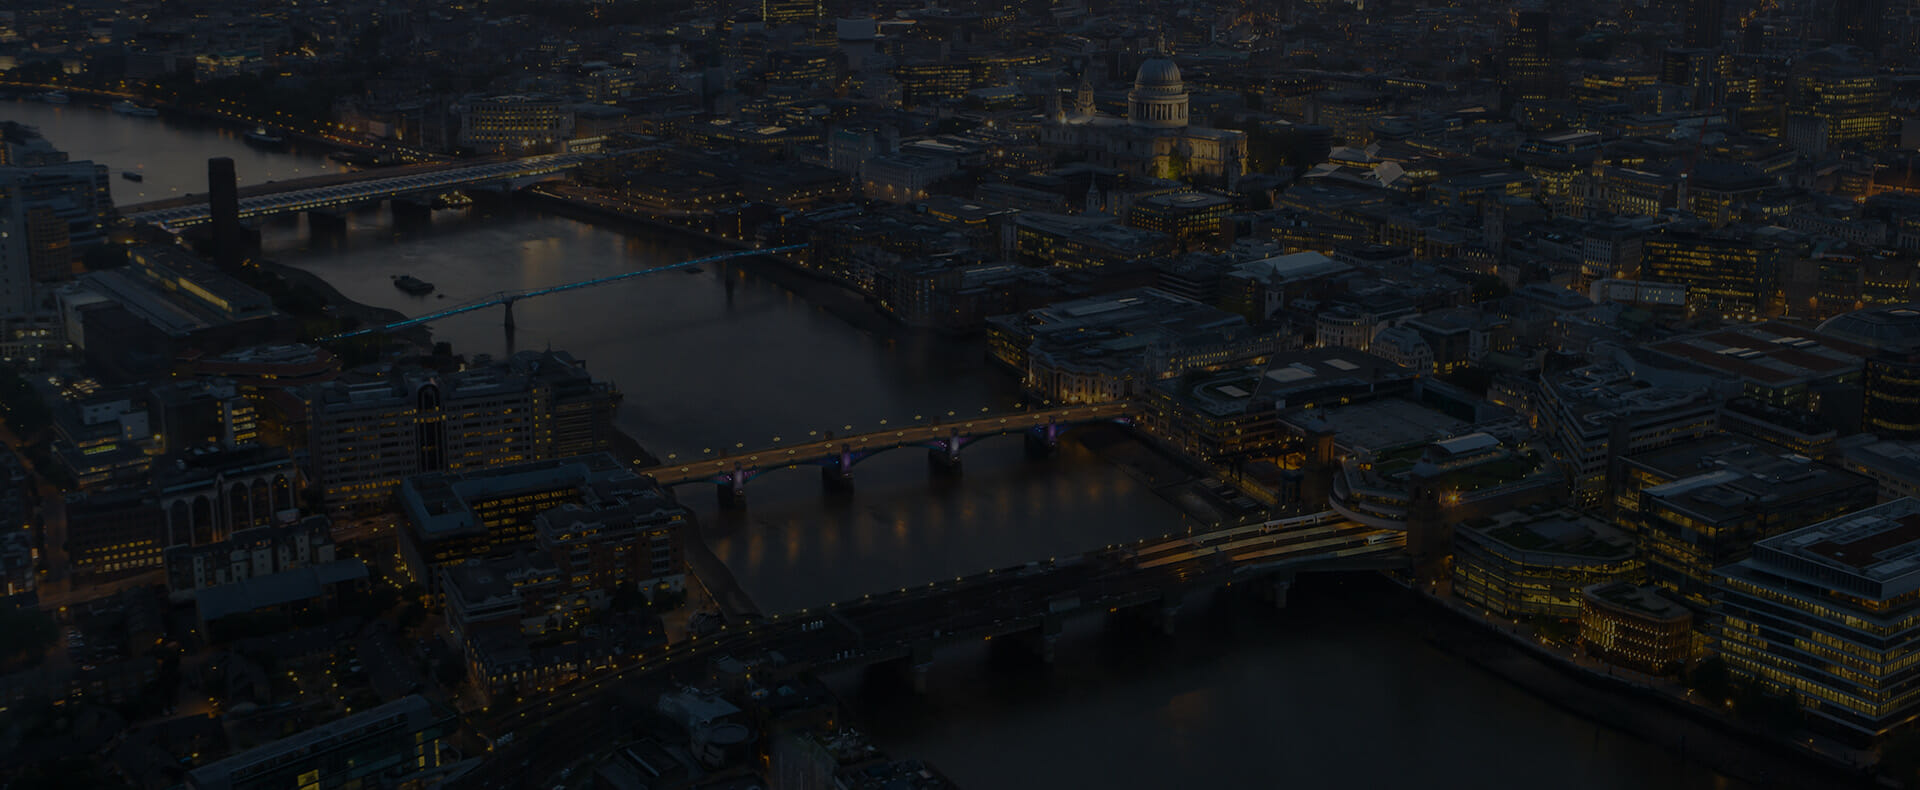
{"points": [[340, 192], [836, 455], [507, 298]]}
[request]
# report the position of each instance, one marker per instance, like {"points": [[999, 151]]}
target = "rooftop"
{"points": [[1387, 424], [1647, 600], [440, 503], [1556, 532], [1722, 478], [1771, 353], [275, 589], [1880, 543]]}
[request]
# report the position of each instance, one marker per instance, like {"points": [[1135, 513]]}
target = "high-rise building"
{"points": [[790, 12], [1856, 22], [1892, 403], [47, 214], [1831, 615], [1705, 21], [1527, 66]]}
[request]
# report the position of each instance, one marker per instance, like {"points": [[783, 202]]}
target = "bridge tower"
{"points": [[944, 455], [837, 475]]}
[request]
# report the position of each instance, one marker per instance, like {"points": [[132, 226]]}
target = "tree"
{"points": [[626, 598], [1900, 758], [29, 632], [1711, 679]]}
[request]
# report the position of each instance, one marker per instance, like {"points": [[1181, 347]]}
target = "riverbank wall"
{"points": [[1726, 747]]}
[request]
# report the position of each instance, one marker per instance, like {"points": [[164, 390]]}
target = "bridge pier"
{"points": [[508, 307], [1051, 627], [326, 221], [1277, 589], [732, 488], [1167, 614], [1042, 443], [921, 665], [838, 475], [835, 478], [945, 455], [411, 210]]}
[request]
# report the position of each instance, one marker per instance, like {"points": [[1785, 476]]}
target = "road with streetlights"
{"points": [[885, 438]]}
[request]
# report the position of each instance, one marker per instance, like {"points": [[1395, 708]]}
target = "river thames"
{"points": [[1335, 691]]}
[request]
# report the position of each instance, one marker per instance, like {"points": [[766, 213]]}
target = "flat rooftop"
{"points": [[1770, 353], [1881, 543], [1389, 423]]}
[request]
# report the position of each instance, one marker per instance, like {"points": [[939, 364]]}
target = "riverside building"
{"points": [[1831, 614]]}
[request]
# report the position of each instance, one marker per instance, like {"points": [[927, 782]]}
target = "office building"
{"points": [[1697, 506], [1598, 414], [1891, 386], [367, 436], [1635, 627], [1705, 21], [112, 532], [1774, 362], [1195, 218], [637, 542], [514, 124], [1528, 71], [1525, 564], [1112, 347], [775, 13], [1836, 109], [1730, 275], [455, 516], [1830, 614], [1894, 465]]}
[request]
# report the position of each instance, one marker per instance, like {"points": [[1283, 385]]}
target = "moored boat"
{"points": [[135, 110], [413, 285]]}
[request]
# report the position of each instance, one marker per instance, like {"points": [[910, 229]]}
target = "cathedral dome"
{"points": [[1159, 96], [1159, 73]]}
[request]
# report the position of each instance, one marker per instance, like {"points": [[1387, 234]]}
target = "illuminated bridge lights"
{"points": [[373, 188]]}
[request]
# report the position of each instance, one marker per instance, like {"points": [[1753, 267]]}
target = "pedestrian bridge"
{"points": [[836, 455], [342, 191]]}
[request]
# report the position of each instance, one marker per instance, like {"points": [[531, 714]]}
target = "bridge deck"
{"points": [[719, 468], [309, 182], [348, 190]]}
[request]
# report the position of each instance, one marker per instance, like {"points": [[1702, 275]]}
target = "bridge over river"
{"points": [[1027, 603]]}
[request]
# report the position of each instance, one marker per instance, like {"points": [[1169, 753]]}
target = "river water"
{"points": [[1331, 692]]}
